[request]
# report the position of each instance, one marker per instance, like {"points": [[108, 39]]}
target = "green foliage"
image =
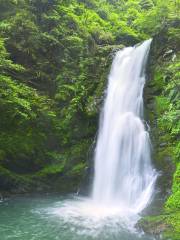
{"points": [[166, 83], [173, 202], [50, 170], [168, 104], [166, 225], [54, 58]]}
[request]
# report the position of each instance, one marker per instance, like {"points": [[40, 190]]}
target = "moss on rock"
{"points": [[162, 98]]}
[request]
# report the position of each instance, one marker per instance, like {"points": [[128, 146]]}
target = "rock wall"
{"points": [[162, 102]]}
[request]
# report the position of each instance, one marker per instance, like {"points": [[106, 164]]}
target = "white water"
{"points": [[124, 176]]}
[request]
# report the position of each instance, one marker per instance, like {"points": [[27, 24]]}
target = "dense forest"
{"points": [[54, 61]]}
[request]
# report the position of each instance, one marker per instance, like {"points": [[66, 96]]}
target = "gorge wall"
{"points": [[54, 60], [162, 110]]}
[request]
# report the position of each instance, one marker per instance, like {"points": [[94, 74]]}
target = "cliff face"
{"points": [[162, 102], [54, 62]]}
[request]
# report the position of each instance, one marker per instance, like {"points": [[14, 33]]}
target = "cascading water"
{"points": [[124, 176]]}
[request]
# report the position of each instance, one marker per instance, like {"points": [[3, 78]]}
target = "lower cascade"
{"points": [[124, 176]]}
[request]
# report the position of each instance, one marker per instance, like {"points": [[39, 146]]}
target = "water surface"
{"points": [[56, 218]]}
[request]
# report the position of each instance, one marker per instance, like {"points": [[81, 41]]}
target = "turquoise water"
{"points": [[50, 217]]}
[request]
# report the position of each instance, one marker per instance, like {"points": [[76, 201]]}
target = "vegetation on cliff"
{"points": [[164, 104], [54, 58]]}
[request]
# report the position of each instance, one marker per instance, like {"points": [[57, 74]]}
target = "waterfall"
{"points": [[124, 178], [124, 175]]}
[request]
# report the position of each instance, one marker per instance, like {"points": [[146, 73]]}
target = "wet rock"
{"points": [[153, 226]]}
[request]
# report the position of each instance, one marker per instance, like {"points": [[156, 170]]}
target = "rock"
{"points": [[153, 225], [162, 144]]}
